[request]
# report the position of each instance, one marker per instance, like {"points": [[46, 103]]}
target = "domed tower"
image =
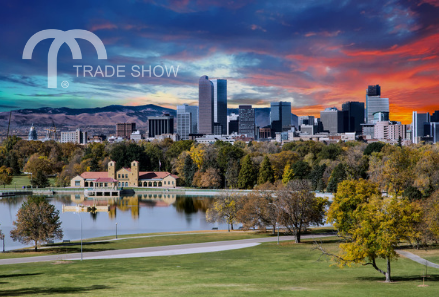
{"points": [[112, 169], [32, 133], [134, 176]]}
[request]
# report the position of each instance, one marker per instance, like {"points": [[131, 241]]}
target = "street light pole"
{"points": [[80, 222], [3, 238], [277, 211], [116, 230]]}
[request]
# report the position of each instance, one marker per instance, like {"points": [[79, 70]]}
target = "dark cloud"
{"points": [[315, 52]]}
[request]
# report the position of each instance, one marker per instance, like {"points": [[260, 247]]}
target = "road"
{"points": [[182, 249]]}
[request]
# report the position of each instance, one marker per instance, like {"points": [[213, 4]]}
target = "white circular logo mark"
{"points": [[65, 84]]}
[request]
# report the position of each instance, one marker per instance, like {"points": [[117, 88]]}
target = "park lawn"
{"points": [[98, 244], [23, 180], [268, 269]]}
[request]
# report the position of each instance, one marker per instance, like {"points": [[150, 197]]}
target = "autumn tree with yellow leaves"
{"points": [[370, 225]]}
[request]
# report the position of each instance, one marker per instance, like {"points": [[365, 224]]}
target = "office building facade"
{"points": [[125, 129], [332, 120], [374, 102], [354, 116], [220, 104], [205, 106], [232, 123], [187, 120], [247, 124], [419, 123], [77, 137], [280, 116], [160, 125]]}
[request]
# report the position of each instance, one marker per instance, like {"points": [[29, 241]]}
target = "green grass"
{"points": [[265, 270], [23, 180]]}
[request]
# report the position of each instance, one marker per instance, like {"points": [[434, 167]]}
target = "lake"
{"points": [[141, 213]]}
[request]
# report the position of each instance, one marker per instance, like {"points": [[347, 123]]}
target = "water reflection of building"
{"points": [[114, 204]]}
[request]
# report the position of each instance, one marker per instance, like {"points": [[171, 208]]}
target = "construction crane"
{"points": [[9, 124], [51, 132]]}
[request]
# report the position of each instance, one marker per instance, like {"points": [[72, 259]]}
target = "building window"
{"points": [[118, 176], [77, 183], [119, 184]]}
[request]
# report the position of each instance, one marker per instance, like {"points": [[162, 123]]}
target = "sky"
{"points": [[315, 54]]}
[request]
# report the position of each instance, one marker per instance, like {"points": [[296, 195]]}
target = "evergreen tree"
{"points": [[316, 177], [189, 170], [266, 173], [40, 180], [337, 176], [301, 170], [247, 175]]}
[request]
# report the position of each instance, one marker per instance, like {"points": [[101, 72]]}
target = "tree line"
{"points": [[409, 170]]}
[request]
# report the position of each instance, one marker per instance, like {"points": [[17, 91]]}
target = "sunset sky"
{"points": [[315, 54]]}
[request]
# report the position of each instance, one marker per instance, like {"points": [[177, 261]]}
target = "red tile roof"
{"points": [[94, 175], [154, 175], [106, 180]]}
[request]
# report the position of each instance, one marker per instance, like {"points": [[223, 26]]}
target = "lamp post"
{"points": [[2, 236], [80, 221], [116, 230], [277, 210]]}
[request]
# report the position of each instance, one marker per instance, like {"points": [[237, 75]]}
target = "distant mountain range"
{"points": [[102, 116]]}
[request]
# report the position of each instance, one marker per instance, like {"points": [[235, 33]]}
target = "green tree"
{"points": [[232, 174], [37, 222], [189, 170], [301, 170], [40, 180], [372, 226], [266, 173], [5, 176], [316, 176], [247, 175], [338, 175], [374, 147]]}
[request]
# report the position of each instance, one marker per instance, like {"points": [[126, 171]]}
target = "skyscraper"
{"points": [[205, 105], [280, 116], [160, 125], [419, 123], [187, 120], [232, 123], [220, 103], [332, 120], [354, 116], [374, 102], [435, 116], [247, 120]]}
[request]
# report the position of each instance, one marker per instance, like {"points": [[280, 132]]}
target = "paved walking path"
{"points": [[418, 259], [182, 249]]}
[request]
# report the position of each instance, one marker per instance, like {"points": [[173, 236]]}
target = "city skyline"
{"points": [[301, 53]]}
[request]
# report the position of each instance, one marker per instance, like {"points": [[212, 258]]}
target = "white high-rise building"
{"points": [[76, 136]]}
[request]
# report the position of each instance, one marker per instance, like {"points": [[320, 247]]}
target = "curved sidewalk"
{"points": [[182, 249], [418, 259]]}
